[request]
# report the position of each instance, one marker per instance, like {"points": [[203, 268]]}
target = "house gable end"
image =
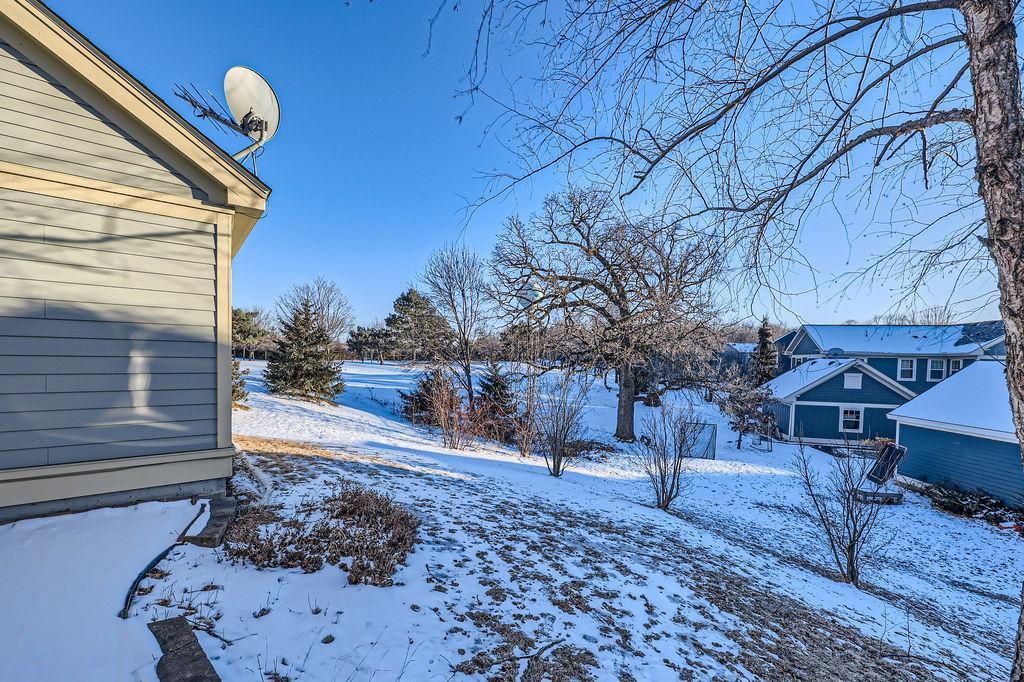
{"points": [[872, 390]]}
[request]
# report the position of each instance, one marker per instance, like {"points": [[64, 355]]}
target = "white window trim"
{"points": [[899, 371], [950, 370], [847, 376], [858, 409], [800, 359], [928, 371]]}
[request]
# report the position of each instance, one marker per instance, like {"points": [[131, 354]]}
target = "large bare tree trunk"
{"points": [[999, 131], [627, 404]]}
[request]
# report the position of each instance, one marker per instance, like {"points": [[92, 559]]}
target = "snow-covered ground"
{"points": [[63, 581], [733, 585]]}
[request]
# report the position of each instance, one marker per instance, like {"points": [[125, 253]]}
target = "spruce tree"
{"points": [[496, 405], [418, 404], [765, 362], [238, 391], [418, 332], [306, 362]]}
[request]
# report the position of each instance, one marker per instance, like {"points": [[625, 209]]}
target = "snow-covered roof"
{"points": [[806, 374], [976, 397], [882, 339], [743, 347]]}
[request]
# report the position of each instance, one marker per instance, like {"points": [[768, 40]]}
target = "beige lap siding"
{"points": [[107, 332], [45, 125]]}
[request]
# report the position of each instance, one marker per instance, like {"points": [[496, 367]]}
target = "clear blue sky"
{"points": [[370, 169]]}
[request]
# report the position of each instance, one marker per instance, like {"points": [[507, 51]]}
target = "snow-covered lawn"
{"points": [[63, 581], [733, 585]]}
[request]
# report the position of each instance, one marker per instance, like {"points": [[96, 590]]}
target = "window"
{"points": [[955, 365], [798, 361], [908, 369], [852, 380], [851, 420], [936, 370]]}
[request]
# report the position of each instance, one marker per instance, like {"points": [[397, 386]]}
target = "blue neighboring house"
{"points": [[738, 354], [961, 434], [827, 401], [898, 362]]}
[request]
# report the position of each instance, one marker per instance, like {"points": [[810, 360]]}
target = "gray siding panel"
{"points": [[102, 436], [37, 249], [31, 345], [64, 419], [130, 448], [38, 400], [22, 384], [16, 459], [90, 293], [49, 365], [100, 153], [79, 329], [86, 383], [107, 332], [146, 315], [964, 462]]}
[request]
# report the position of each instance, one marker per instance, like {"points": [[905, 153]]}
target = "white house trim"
{"points": [[816, 403], [795, 341], [954, 428], [860, 418], [913, 376]]}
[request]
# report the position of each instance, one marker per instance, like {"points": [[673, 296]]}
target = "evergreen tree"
{"points": [[248, 331], [418, 404], [305, 362], [238, 391], [360, 342], [418, 332], [381, 341], [765, 362], [496, 405], [746, 406]]}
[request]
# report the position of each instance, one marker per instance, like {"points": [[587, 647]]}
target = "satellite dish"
{"points": [[253, 105], [835, 352]]}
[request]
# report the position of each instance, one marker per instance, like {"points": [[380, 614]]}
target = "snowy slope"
{"points": [[733, 585]]}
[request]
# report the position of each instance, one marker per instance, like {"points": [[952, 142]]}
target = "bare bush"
{"points": [[524, 422], [355, 523], [854, 531], [448, 413], [669, 436], [559, 422]]}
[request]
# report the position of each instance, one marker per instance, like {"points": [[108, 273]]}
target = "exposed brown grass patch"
{"points": [[353, 527]]}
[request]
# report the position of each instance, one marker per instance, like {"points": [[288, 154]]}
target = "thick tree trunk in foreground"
{"points": [[627, 404], [999, 132]]}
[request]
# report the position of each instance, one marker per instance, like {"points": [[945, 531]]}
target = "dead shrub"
{"points": [[366, 528], [560, 411], [669, 436], [853, 530]]}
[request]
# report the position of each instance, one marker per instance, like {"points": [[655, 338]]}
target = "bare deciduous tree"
{"points": [[626, 286], [454, 280], [561, 404], [669, 436], [327, 302], [854, 531]]}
